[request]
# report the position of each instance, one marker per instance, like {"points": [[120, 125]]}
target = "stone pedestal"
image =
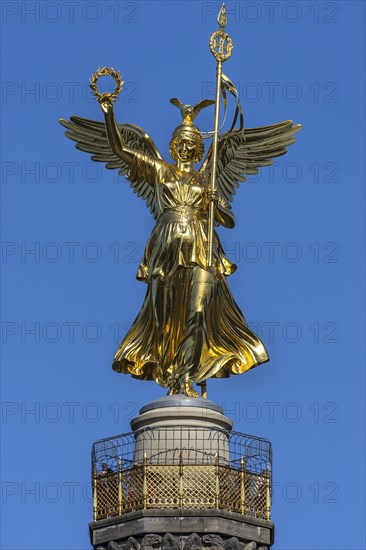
{"points": [[164, 428]]}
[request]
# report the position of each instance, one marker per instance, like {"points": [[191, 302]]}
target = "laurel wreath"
{"points": [[106, 71], [221, 36]]}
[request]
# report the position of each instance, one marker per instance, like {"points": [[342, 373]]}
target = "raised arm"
{"points": [[140, 160], [114, 136]]}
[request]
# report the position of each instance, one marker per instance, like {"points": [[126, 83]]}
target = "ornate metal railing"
{"points": [[184, 486], [184, 477]]}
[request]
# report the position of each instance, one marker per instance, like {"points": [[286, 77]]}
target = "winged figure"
{"points": [[189, 327]]}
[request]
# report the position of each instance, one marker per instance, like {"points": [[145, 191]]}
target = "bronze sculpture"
{"points": [[189, 328]]}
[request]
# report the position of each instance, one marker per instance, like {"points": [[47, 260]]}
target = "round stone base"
{"points": [[177, 426]]}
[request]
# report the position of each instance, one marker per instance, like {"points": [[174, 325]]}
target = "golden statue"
{"points": [[189, 328]]}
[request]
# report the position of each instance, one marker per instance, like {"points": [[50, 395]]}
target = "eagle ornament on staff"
{"points": [[189, 327]]}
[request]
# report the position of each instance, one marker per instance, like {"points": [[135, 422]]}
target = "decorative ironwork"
{"points": [[232, 473]]}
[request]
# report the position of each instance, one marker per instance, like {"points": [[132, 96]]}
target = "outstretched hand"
{"points": [[106, 104]]}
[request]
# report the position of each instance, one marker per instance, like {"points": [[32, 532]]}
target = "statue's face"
{"points": [[186, 148]]}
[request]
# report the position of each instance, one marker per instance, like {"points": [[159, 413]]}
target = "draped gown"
{"points": [[189, 327]]}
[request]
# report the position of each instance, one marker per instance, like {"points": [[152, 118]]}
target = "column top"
{"points": [[180, 400]]}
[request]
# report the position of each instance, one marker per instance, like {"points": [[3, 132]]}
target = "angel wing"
{"points": [[244, 152], [91, 137]]}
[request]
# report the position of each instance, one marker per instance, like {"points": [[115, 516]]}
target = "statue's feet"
{"points": [[174, 388], [188, 389], [185, 388]]}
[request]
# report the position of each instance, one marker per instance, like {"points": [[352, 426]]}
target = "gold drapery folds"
{"points": [[189, 327]]}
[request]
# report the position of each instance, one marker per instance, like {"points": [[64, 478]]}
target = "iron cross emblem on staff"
{"points": [[221, 44]]}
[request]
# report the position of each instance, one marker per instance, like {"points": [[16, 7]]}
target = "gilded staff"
{"points": [[221, 47]]}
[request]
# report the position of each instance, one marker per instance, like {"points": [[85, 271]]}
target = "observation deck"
{"points": [[182, 470]]}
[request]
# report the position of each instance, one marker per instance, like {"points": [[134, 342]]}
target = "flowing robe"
{"points": [[189, 327]]}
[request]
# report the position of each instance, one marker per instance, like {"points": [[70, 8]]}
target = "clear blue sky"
{"points": [[298, 243]]}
